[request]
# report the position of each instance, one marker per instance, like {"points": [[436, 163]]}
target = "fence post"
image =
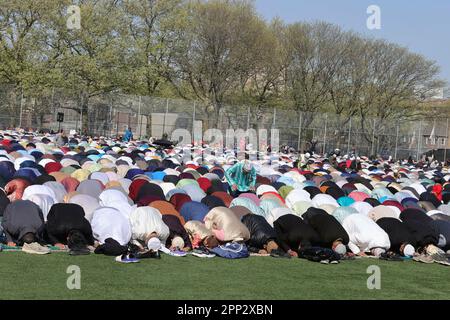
{"points": [[81, 119], [373, 137], [349, 137], [165, 115], [419, 138], [396, 144], [193, 124], [325, 134], [446, 141], [274, 117], [299, 142], [117, 127], [110, 117], [21, 108], [139, 118], [248, 117], [53, 104]]}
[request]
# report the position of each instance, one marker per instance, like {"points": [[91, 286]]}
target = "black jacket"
{"points": [[260, 231], [326, 226], [443, 229], [63, 218], [398, 233], [292, 232], [418, 223]]}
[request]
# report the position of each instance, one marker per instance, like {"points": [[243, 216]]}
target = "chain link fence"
{"points": [[110, 114]]}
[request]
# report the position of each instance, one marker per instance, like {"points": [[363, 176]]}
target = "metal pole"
{"points": [[373, 137], [349, 132], [110, 119], [139, 117], [274, 117], [81, 120], [193, 125], [419, 140], [446, 142], [248, 117], [165, 114], [396, 144], [325, 134], [117, 127], [299, 142], [21, 108], [53, 102]]}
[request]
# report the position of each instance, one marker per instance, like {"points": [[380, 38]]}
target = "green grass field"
{"points": [[44, 277]]}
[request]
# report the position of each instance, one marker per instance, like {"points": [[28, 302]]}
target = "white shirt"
{"points": [[146, 220], [110, 223], [364, 234]]}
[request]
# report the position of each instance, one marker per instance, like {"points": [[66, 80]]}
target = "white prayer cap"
{"points": [[154, 244], [408, 251], [178, 242], [378, 251], [341, 249]]}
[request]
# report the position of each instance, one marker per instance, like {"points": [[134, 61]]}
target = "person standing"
{"points": [[128, 136]]}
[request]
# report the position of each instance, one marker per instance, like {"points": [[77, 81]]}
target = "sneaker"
{"points": [[173, 253], [439, 257], [35, 248], [178, 253], [127, 259], [202, 253], [79, 252], [325, 261], [390, 256], [423, 258], [334, 262], [149, 254], [279, 254], [443, 262]]}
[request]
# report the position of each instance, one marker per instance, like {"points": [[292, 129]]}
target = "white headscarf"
{"points": [[362, 207], [89, 204], [44, 202], [297, 195], [321, 199], [38, 189], [116, 199], [59, 190]]}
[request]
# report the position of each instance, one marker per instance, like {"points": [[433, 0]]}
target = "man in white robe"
{"points": [[365, 235], [110, 223], [147, 223]]}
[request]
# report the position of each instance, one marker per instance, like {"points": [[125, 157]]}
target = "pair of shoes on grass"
{"points": [[137, 257], [327, 261]]}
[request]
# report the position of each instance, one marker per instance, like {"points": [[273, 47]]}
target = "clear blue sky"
{"points": [[423, 26]]}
